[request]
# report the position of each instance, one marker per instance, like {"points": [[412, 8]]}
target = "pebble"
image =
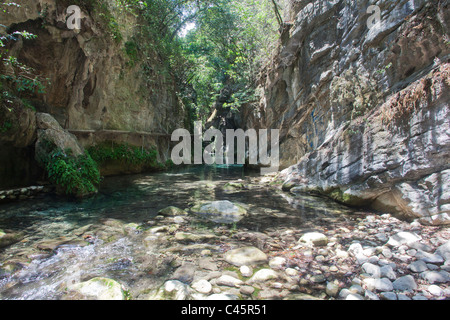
{"points": [[332, 289], [246, 271], [435, 290], [388, 296], [226, 280], [418, 266], [383, 284], [263, 275], [202, 286], [406, 283]]}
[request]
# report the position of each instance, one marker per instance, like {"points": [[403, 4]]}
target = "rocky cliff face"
{"points": [[364, 109], [95, 82]]}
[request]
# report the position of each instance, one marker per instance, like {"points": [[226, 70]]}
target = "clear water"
{"points": [[133, 199]]}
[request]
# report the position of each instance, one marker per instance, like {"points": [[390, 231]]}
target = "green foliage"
{"points": [[131, 49], [230, 44], [18, 78], [78, 176], [131, 155]]}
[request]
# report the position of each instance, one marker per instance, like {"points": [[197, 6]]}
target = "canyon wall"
{"points": [[97, 82], [363, 104]]}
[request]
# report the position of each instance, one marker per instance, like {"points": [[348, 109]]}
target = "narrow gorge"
{"points": [[92, 206]]}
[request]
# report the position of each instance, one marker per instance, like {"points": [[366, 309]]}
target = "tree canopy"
{"points": [[223, 52]]}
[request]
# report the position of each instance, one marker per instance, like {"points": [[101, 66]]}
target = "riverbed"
{"points": [[120, 234]]}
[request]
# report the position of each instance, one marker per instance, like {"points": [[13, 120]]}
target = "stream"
{"points": [[62, 242]]}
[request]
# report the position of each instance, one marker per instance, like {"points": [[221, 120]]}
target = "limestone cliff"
{"points": [[96, 80], [363, 107]]}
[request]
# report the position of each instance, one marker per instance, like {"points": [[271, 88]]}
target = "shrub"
{"points": [[78, 176]]}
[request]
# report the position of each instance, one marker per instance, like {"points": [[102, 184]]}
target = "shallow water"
{"points": [[132, 199]]}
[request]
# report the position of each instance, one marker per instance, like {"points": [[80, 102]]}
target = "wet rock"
{"points": [[191, 237], [220, 211], [8, 238], [247, 256], [172, 212], [99, 289], [185, 273], [171, 290], [54, 244], [233, 186]]}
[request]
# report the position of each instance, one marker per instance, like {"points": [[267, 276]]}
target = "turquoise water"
{"points": [[31, 271]]}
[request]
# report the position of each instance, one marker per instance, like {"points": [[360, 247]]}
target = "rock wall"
{"points": [[364, 109], [94, 83]]}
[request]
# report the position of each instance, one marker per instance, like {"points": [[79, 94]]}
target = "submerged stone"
{"points": [[172, 212], [220, 211]]}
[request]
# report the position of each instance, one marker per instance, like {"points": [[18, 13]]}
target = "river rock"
{"points": [[247, 256], [444, 251], [382, 284], [185, 273], [233, 186], [332, 289], [9, 238], [406, 283], [190, 237], [220, 211], [229, 281], [418, 266], [403, 238], [315, 238], [435, 276], [429, 257], [277, 263], [263, 275], [222, 297], [246, 271], [172, 212], [373, 270], [99, 289], [202, 286], [171, 290]]}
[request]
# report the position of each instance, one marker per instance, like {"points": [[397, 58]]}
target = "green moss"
{"points": [[346, 198]]}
